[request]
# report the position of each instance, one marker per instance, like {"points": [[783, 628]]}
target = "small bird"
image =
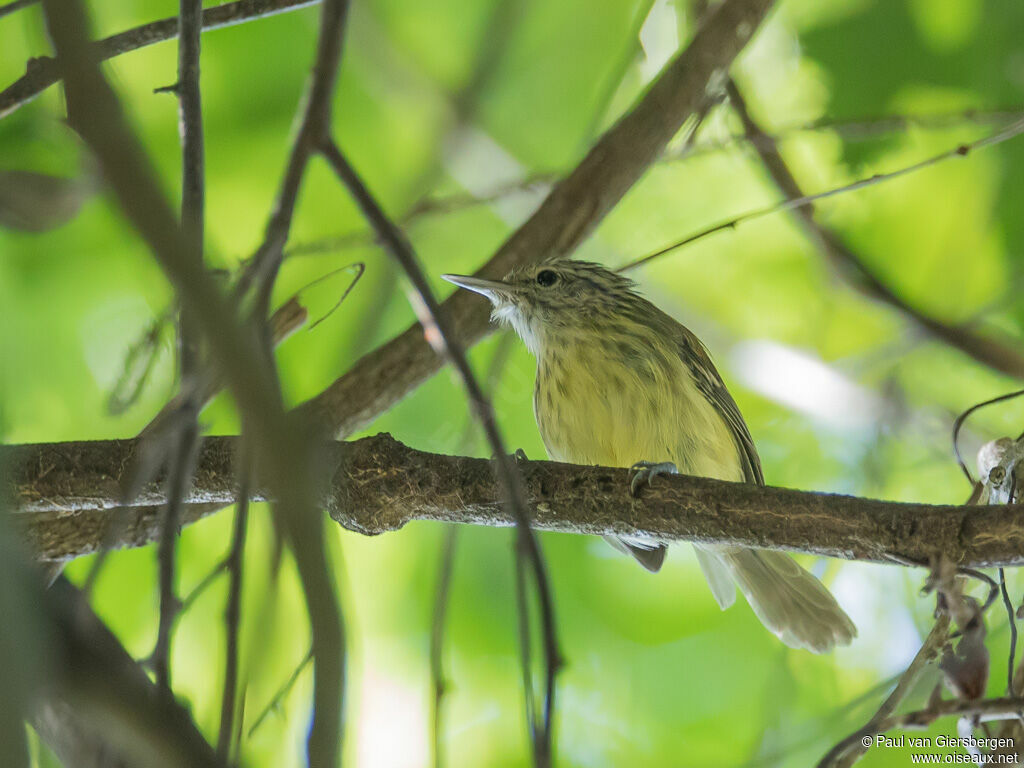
{"points": [[622, 384]]}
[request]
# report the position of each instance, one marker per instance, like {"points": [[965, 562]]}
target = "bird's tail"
{"points": [[788, 600]]}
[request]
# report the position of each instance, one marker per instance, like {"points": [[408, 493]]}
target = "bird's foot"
{"points": [[517, 456], [647, 471]]}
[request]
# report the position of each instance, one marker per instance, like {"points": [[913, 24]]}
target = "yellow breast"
{"points": [[616, 403]]}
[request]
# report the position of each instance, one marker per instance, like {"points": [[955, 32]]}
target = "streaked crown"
{"points": [[542, 300]]}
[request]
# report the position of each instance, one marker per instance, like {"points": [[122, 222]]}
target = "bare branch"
{"points": [[929, 651], [192, 227], [801, 201], [17, 5], [313, 130], [178, 481], [232, 617], [1002, 356], [986, 710], [281, 452], [441, 335], [42, 72], [853, 130], [566, 217], [444, 584], [102, 684], [378, 485]]}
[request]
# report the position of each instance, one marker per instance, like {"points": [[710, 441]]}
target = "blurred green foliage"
{"points": [[656, 675]]}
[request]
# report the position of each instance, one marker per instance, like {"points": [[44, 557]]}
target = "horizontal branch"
{"points": [[42, 72], [68, 492]]}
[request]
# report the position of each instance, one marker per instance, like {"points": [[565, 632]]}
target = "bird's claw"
{"points": [[517, 456], [647, 471]]}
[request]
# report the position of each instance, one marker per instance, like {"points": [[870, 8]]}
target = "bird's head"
{"points": [[553, 299]]}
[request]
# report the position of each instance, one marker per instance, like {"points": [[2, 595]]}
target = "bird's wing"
{"points": [[710, 384]]}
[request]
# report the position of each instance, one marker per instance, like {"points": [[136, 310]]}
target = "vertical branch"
{"points": [[442, 596], [533, 727], [929, 650], [439, 332], [444, 583], [283, 455], [850, 266], [313, 129], [178, 482], [232, 616], [193, 203], [192, 224]]}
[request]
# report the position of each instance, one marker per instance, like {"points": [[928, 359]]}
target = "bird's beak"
{"points": [[492, 289]]}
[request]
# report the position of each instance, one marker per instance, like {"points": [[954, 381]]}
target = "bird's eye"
{"points": [[547, 277]]}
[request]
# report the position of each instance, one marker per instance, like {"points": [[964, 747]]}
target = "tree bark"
{"points": [[68, 494]]}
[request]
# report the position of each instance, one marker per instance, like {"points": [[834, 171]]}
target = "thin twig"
{"points": [[446, 566], [313, 129], [958, 425], [444, 584], [232, 616], [534, 728], [193, 185], [440, 333], [802, 200], [41, 73], [187, 434], [1012, 618], [930, 649], [178, 481], [999, 355], [988, 581], [278, 697], [987, 710], [848, 129], [204, 584], [17, 5], [283, 453]]}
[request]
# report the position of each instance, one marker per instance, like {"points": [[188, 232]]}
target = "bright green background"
{"points": [[657, 675]]}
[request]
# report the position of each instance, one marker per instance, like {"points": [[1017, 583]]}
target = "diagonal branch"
{"points": [[379, 485], [42, 72], [999, 355], [313, 130], [110, 694], [929, 651], [439, 331], [566, 217], [281, 452]]}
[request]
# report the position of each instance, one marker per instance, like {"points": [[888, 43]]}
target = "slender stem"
{"points": [[1002, 356], [986, 710], [444, 584], [534, 729], [17, 5], [801, 201], [313, 129], [282, 692], [178, 483], [43, 72], [284, 453], [232, 617], [929, 650], [440, 332]]}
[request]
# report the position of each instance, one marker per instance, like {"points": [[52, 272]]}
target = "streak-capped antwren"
{"points": [[620, 383]]}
